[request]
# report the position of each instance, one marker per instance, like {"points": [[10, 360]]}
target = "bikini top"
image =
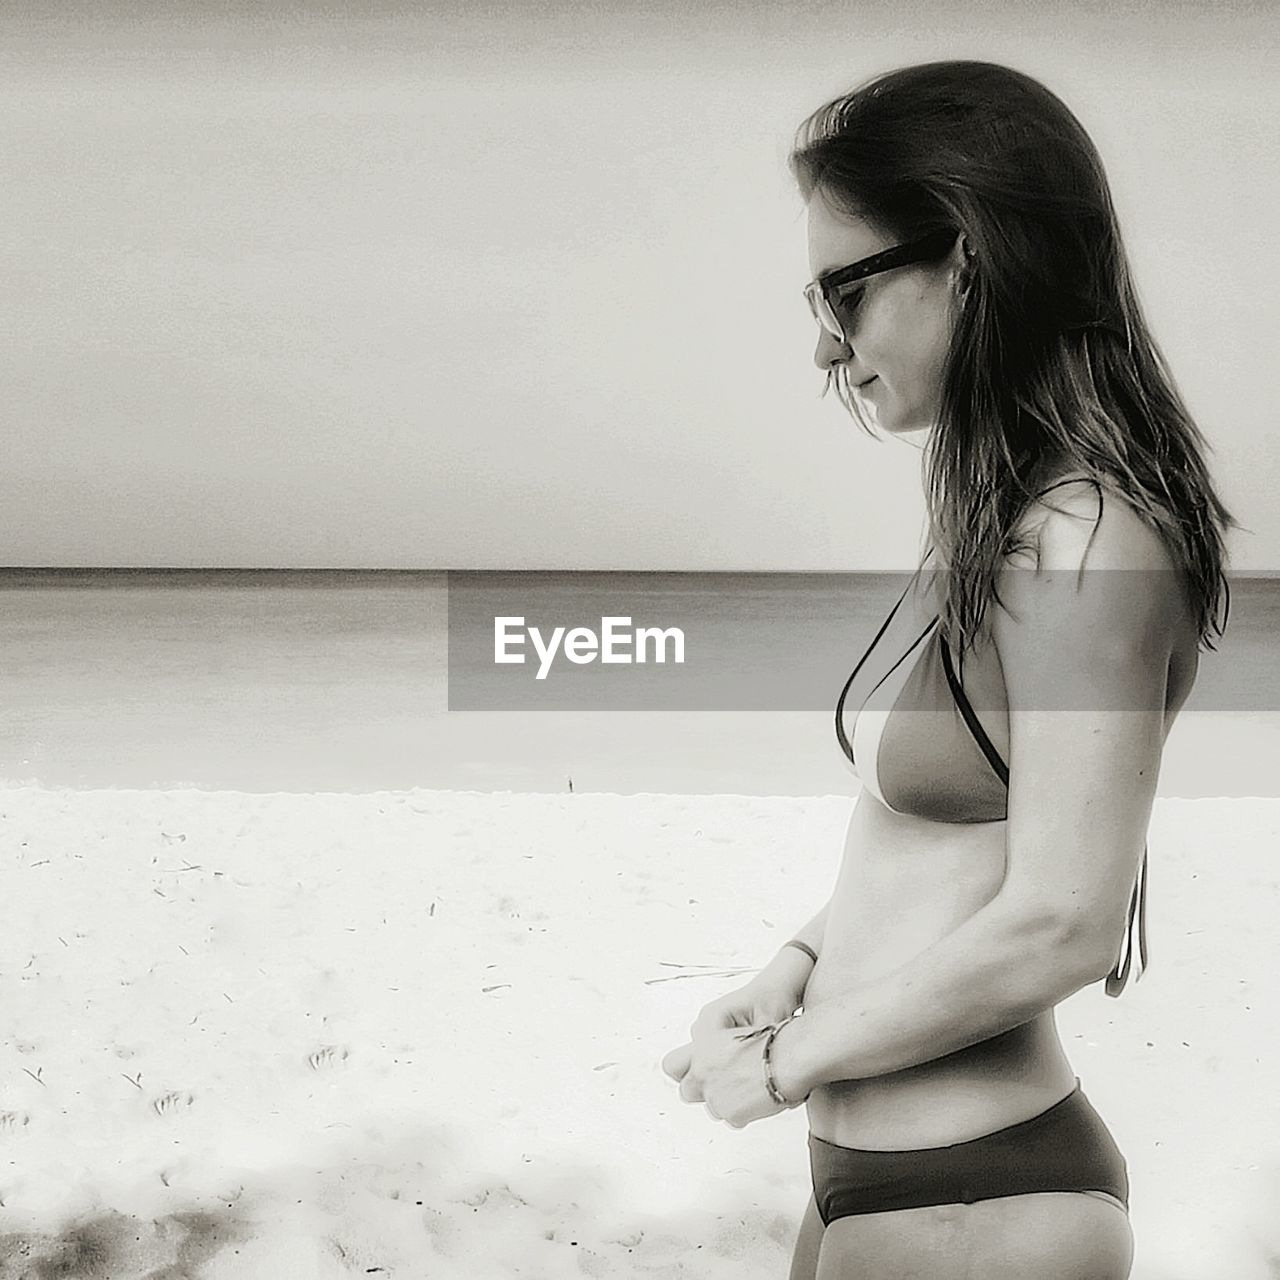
{"points": [[924, 752]]}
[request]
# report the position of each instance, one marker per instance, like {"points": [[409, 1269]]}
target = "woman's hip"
{"points": [[1065, 1147]]}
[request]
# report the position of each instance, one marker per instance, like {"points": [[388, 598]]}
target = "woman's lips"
{"points": [[862, 386]]}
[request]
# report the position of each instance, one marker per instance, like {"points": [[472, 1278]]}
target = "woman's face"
{"points": [[897, 329]]}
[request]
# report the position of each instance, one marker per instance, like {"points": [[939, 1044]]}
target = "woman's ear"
{"points": [[962, 257]]}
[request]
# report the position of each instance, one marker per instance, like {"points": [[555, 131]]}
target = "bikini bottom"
{"points": [[1066, 1148]]}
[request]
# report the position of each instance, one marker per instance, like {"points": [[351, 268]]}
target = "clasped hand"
{"points": [[724, 1068]]}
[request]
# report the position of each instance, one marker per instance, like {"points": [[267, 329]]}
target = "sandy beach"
{"points": [[418, 1033]]}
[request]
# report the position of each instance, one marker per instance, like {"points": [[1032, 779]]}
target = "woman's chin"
{"points": [[898, 424], [903, 428]]}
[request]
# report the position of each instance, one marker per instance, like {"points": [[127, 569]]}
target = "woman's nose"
{"points": [[829, 350]]}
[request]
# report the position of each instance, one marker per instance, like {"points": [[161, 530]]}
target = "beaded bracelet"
{"points": [[803, 946], [769, 1082]]}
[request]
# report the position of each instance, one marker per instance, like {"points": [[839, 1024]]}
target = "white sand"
{"points": [[417, 1034]]}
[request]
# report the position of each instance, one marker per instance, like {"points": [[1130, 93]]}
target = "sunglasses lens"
{"points": [[823, 314]]}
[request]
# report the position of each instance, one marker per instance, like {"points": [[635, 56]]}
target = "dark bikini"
{"points": [[925, 753]]}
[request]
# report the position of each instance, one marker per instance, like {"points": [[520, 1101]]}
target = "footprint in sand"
{"points": [[13, 1121], [171, 1103], [328, 1055], [441, 1231], [497, 1195]]}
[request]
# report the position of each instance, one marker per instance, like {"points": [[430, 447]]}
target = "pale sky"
{"points": [[430, 290]]}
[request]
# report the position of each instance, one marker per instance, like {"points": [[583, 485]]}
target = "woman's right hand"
{"points": [[774, 994], [761, 1002]]}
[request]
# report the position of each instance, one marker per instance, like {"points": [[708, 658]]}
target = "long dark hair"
{"points": [[1051, 363]]}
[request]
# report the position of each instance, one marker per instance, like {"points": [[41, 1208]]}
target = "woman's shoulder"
{"points": [[1082, 521], [1098, 570]]}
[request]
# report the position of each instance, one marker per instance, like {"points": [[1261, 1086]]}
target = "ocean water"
{"points": [[307, 681]]}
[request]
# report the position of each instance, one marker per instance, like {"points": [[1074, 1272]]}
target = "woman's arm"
{"points": [[813, 933], [1085, 657], [790, 964], [999, 969]]}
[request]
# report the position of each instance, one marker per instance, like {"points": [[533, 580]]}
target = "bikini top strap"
{"points": [[970, 718], [845, 745], [1097, 523], [1119, 975], [1057, 484]]}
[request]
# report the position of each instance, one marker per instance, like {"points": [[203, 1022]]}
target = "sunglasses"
{"points": [[824, 292]]}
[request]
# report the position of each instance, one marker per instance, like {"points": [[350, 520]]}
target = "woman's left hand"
{"points": [[724, 1067]]}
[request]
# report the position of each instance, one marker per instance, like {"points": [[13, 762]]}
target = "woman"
{"points": [[1008, 720]]}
